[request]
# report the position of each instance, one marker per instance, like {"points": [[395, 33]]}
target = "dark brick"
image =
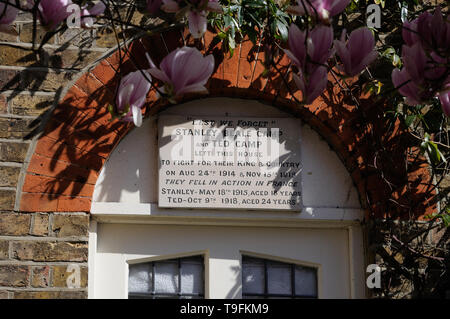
{"points": [[50, 251], [7, 198], [12, 224], [9, 176], [14, 276], [13, 152]]}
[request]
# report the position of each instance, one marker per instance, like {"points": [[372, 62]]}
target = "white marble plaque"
{"points": [[229, 163]]}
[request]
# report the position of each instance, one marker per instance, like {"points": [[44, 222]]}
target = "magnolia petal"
{"points": [[197, 23], [87, 23], [160, 75], [368, 59], [170, 6], [360, 42], [344, 55], [409, 90], [204, 70], [409, 32], [414, 60], [7, 14], [368, 42], [123, 96], [337, 6], [322, 39], [359, 51], [293, 58], [184, 70], [297, 48], [97, 9], [299, 81], [137, 115], [141, 88], [444, 98], [194, 88], [317, 84], [435, 68], [296, 10], [150, 61], [214, 6]]}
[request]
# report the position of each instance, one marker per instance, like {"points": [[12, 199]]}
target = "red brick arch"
{"points": [[80, 135]]}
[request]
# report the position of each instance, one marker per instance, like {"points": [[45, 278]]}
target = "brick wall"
{"points": [[36, 248]]}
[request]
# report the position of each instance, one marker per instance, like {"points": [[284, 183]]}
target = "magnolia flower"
{"points": [[313, 86], [8, 14], [86, 14], [419, 78], [131, 95], [310, 55], [324, 9], [358, 53], [431, 30], [317, 47], [425, 60], [153, 6], [52, 12], [184, 70], [196, 10]]}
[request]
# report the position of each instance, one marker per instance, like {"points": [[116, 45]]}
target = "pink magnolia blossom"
{"points": [[359, 51], [87, 15], [153, 6], [52, 12], [324, 9], [433, 31], [313, 86], [184, 70], [197, 23], [317, 47], [197, 11], [424, 73], [131, 95], [8, 14], [425, 60], [310, 55]]}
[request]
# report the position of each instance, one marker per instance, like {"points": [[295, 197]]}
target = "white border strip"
{"points": [[152, 214]]}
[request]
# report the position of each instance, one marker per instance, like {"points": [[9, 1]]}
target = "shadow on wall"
{"points": [[79, 136]]}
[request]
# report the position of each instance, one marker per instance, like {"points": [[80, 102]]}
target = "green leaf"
{"points": [[221, 35], [446, 219], [282, 29], [410, 119], [231, 42], [111, 109], [433, 151]]}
